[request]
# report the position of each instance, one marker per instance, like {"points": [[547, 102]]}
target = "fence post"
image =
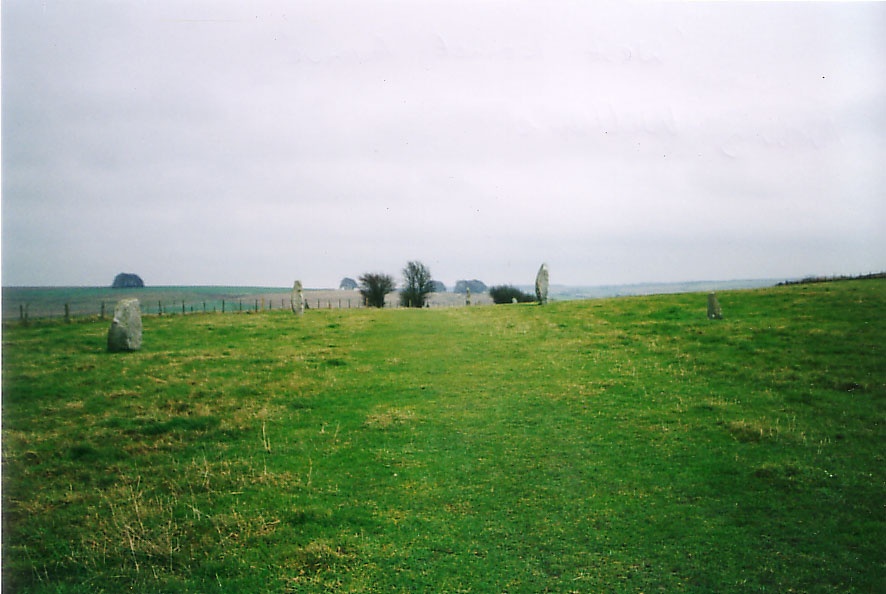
{"points": [[159, 308], [103, 310], [183, 307], [67, 313], [241, 305], [223, 306]]}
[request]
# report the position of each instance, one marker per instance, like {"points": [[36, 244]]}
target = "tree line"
{"points": [[418, 285]]}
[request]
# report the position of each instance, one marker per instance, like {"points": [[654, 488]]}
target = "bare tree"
{"points": [[417, 285]]}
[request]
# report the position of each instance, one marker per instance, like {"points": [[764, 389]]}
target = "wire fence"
{"points": [[105, 309], [25, 311]]}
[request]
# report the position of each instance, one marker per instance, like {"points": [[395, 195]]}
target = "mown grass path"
{"points": [[621, 445]]}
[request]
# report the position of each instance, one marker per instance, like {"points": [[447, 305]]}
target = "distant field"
{"points": [[609, 445], [49, 302]]}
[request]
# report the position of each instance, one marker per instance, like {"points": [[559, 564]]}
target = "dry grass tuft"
{"points": [[390, 417]]}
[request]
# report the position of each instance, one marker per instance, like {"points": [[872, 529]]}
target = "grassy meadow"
{"points": [[614, 445]]}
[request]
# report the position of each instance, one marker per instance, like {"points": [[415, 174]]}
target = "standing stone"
{"points": [[125, 333], [298, 299], [541, 285], [468, 296], [714, 311]]}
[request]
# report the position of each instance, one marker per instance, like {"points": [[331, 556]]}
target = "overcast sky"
{"points": [[254, 143]]}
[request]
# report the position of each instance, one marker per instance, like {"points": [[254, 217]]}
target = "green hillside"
{"points": [[617, 445]]}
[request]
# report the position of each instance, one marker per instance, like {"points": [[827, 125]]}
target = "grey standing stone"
{"points": [[298, 299], [125, 333], [541, 285], [714, 311]]}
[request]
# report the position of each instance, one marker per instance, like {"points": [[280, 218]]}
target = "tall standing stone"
{"points": [[714, 311], [125, 333], [541, 285], [298, 299]]}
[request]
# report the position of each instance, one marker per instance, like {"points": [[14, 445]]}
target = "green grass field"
{"points": [[622, 445]]}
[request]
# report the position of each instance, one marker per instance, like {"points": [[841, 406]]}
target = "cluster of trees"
{"points": [[825, 279], [474, 286], [417, 285], [348, 284], [508, 294], [127, 280]]}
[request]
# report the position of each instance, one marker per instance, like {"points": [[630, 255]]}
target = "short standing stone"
{"points": [[298, 298], [714, 311], [541, 285], [125, 333]]}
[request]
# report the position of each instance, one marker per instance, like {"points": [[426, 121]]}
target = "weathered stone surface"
{"points": [[125, 333], [714, 311], [298, 298], [541, 284]]}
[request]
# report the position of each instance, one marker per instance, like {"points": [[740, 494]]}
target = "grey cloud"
{"points": [[620, 143]]}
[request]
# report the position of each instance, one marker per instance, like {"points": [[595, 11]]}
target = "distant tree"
{"points": [[475, 286], [347, 284], [127, 280], [417, 284], [438, 287], [374, 286], [507, 294]]}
